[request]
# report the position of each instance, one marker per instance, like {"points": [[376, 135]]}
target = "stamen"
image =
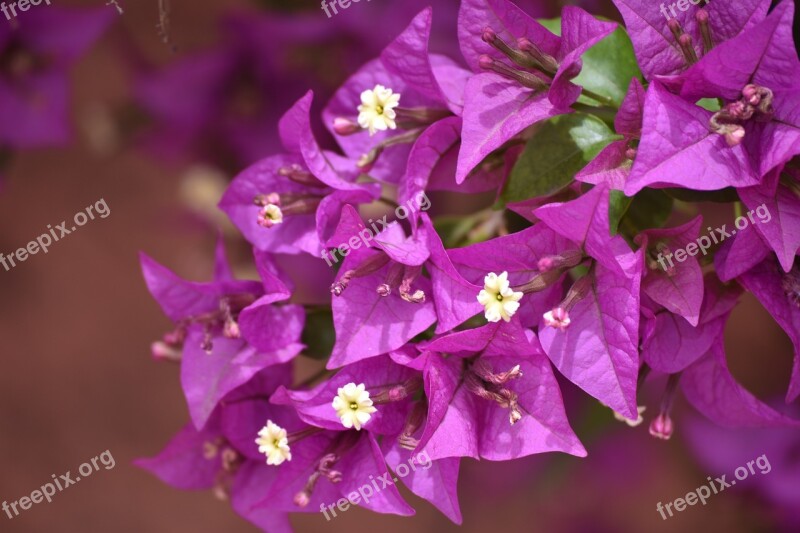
{"points": [[675, 27], [395, 393], [414, 421], [564, 261], [161, 351], [393, 279], [687, 47], [521, 59], [410, 273], [705, 29], [416, 117], [303, 205], [369, 266], [525, 79], [541, 59], [791, 286], [324, 469], [484, 383], [733, 133], [267, 199], [765, 106], [212, 448], [739, 110], [734, 136], [751, 94], [343, 126], [484, 371], [661, 427], [401, 276], [231, 461], [207, 345], [366, 161], [303, 433], [298, 175], [175, 338], [231, 328], [558, 317], [540, 281], [653, 262]]}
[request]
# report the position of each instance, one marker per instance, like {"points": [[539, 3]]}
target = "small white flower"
{"points": [[376, 111], [270, 215], [632, 423], [497, 298], [273, 442], [353, 405]]}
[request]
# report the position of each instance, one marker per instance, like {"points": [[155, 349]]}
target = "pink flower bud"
{"points": [[661, 427], [752, 94], [485, 62], [343, 126], [557, 318], [735, 135], [302, 499]]}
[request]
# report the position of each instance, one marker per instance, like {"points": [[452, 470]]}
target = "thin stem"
{"points": [[606, 114], [322, 372], [599, 98], [389, 202]]}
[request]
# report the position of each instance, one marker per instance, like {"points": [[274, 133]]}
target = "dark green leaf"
{"points": [[650, 208], [618, 204], [318, 334], [557, 151], [723, 196]]}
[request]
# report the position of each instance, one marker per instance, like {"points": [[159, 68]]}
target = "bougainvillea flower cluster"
{"points": [[446, 338]]}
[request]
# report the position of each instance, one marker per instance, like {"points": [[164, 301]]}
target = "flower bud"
{"points": [[661, 427]]}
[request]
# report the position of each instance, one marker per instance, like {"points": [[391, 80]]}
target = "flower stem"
{"points": [[599, 98]]}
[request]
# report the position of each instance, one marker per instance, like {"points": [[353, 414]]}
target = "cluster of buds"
{"points": [[537, 67], [756, 102], [170, 347], [399, 277], [483, 382]]}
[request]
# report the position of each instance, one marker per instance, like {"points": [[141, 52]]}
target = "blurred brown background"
{"points": [[77, 378]]}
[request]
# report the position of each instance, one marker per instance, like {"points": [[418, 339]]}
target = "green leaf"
{"points": [[710, 104], [318, 334], [554, 25], [453, 229], [608, 67], [650, 209], [722, 196], [557, 151], [618, 204]]}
